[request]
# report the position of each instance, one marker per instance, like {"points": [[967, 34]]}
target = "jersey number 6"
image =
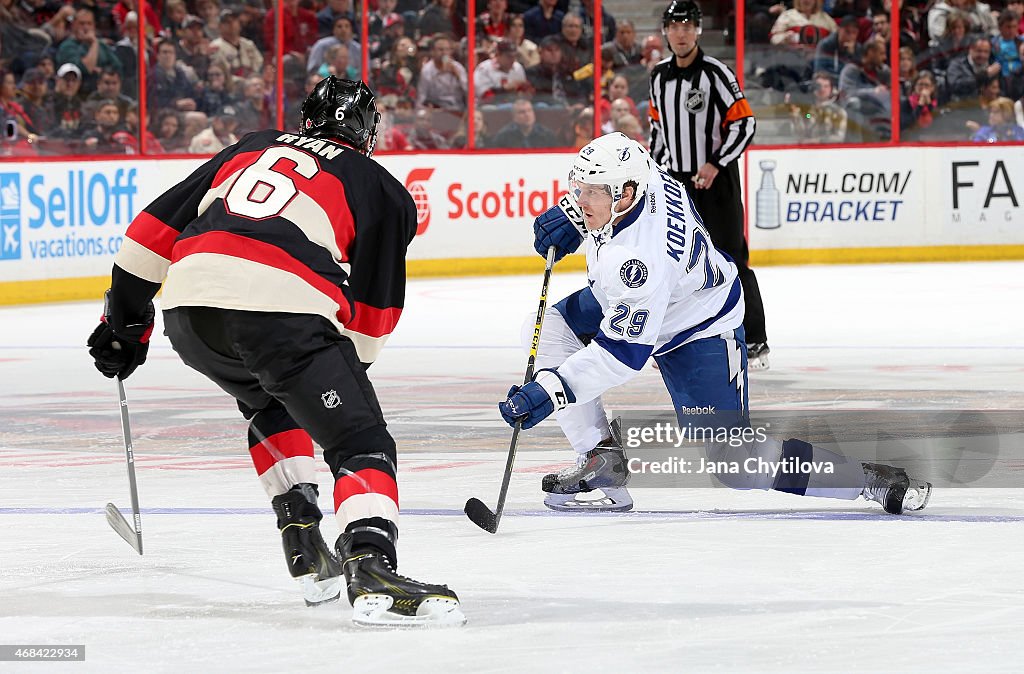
{"points": [[262, 192], [637, 320]]}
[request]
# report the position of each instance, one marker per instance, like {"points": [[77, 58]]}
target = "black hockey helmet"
{"points": [[681, 10], [342, 109]]}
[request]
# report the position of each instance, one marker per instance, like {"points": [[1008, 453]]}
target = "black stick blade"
{"points": [[481, 515]]}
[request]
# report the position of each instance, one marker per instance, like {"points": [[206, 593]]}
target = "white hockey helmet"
{"points": [[613, 161]]}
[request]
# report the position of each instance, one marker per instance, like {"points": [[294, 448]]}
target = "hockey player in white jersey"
{"points": [[656, 286]]}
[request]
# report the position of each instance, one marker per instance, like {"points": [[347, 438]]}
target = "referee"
{"points": [[700, 125]]}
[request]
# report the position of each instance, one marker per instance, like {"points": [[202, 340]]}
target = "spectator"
{"points": [[1017, 7], [839, 48], [217, 136], [608, 26], [1013, 87], [129, 136], [524, 131], [11, 108], [338, 64], [618, 108], [84, 49], [174, 13], [218, 92], [761, 16], [495, 20], [824, 121], [1006, 45], [938, 17], [631, 127], [37, 101], [109, 89], [389, 137], [29, 27], [617, 89], [194, 122], [552, 84], [236, 54], [1002, 126], [921, 108], [169, 85], [253, 112], [423, 136], [543, 20], [394, 29], [526, 50], [169, 132], [194, 47], [967, 72], [67, 102], [443, 80], [481, 138], [626, 50], [880, 28], [953, 43], [299, 26], [577, 49], [100, 138], [400, 71], [981, 18], [378, 18], [803, 25], [864, 90], [341, 35], [327, 17], [499, 78], [908, 70], [440, 18], [121, 10], [581, 131], [252, 18], [209, 11], [653, 51], [127, 52]]}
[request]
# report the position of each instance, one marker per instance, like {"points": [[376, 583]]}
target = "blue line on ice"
{"points": [[639, 514]]}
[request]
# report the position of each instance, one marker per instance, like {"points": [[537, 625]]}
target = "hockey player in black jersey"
{"points": [[282, 261]]}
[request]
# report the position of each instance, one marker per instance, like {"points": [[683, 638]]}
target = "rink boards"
{"points": [[61, 222]]}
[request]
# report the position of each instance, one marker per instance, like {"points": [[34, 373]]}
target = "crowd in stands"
{"points": [[69, 79], [826, 63]]}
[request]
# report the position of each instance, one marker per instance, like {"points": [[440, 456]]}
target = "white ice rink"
{"points": [[696, 580]]}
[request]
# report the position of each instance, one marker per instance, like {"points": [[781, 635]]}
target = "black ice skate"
{"points": [[894, 489], [308, 557], [757, 356], [382, 598], [604, 468]]}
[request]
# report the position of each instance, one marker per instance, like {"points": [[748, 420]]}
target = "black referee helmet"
{"points": [[681, 10]]}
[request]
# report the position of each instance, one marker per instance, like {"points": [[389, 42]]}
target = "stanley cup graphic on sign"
{"points": [[767, 212]]}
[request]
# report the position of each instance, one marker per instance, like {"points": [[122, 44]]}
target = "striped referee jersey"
{"points": [[698, 115]]}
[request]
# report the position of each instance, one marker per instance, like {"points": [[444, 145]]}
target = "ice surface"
{"points": [[699, 580]]}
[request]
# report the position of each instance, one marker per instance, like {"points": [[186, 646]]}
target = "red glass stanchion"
{"points": [[140, 53], [279, 61], [471, 65]]}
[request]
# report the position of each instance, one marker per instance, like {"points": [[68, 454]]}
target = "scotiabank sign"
{"points": [[478, 205]]}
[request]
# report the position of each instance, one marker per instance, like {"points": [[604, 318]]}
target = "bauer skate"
{"points": [[382, 598], [604, 468], [757, 356], [309, 559], [894, 489]]}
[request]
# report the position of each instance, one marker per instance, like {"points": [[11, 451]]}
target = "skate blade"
{"points": [[613, 501], [317, 592], [760, 363], [372, 610], [917, 496]]}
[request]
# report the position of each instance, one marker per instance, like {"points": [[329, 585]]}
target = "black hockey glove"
{"points": [[560, 226], [119, 349]]}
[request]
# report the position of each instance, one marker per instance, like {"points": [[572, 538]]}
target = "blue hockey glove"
{"points": [[536, 401], [560, 226]]}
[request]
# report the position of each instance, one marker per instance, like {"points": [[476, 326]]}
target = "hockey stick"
{"points": [[480, 514], [114, 517]]}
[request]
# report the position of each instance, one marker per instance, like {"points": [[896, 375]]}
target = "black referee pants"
{"points": [[721, 209]]}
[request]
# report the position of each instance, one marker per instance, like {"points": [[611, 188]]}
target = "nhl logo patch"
{"points": [[331, 399], [633, 273], [695, 100]]}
